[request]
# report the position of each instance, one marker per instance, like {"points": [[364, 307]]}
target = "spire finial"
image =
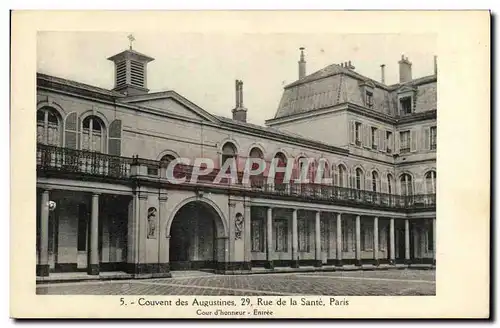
{"points": [[131, 39]]}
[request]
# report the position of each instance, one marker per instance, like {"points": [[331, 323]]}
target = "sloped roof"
{"points": [[49, 79], [335, 85]]}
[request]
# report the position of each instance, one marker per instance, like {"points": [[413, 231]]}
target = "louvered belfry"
{"points": [[131, 72]]}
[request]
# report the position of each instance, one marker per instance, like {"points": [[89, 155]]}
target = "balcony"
{"points": [[78, 162]]}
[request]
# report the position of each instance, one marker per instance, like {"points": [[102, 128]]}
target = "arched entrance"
{"points": [[197, 238]]}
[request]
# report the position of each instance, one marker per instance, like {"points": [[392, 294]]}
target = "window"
{"points": [[388, 141], [405, 105], [303, 231], [48, 129], [323, 224], [228, 151], [152, 170], [406, 185], [366, 236], [374, 138], [433, 138], [369, 99], [281, 231], [279, 177], [358, 133], [375, 181], [82, 227], [404, 137], [164, 163], [256, 180], [390, 183], [430, 182], [359, 179], [430, 238], [257, 232], [93, 134], [345, 234]]}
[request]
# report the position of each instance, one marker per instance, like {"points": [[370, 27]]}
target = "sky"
{"points": [[202, 67]]}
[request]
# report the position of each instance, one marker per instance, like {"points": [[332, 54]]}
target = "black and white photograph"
{"points": [[320, 180]]}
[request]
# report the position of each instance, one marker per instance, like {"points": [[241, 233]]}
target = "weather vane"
{"points": [[131, 39]]}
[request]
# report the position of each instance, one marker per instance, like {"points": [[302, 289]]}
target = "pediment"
{"points": [[406, 88], [171, 102]]}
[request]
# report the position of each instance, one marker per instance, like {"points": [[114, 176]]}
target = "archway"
{"points": [[197, 238]]}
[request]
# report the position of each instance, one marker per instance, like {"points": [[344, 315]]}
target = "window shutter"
{"points": [[384, 186], [352, 132], [413, 141], [427, 138], [71, 131], [381, 140], [114, 142]]}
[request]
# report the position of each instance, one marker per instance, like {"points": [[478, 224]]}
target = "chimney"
{"points": [[239, 112], [302, 64], [382, 71], [435, 65], [404, 70]]}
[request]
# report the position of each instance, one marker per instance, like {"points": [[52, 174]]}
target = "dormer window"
{"points": [[405, 105], [369, 99]]}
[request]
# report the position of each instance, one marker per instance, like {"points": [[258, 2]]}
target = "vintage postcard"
{"points": [[250, 165]]}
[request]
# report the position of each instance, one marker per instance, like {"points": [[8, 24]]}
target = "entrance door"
{"points": [[400, 244]]}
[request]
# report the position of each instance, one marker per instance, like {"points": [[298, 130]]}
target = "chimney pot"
{"points": [[302, 64], [404, 70], [435, 65], [382, 69], [239, 112]]}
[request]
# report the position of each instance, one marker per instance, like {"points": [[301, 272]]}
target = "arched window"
{"points": [[342, 180], [375, 182], [359, 179], [93, 134], [228, 151], [390, 184], [48, 127], [165, 160], [279, 177], [406, 185], [430, 182], [256, 180]]}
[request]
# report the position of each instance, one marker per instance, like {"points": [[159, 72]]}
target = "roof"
{"points": [[335, 85]]}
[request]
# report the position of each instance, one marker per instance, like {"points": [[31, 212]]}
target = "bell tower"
{"points": [[131, 71]]}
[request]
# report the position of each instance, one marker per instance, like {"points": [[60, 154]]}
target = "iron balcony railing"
{"points": [[51, 158]]}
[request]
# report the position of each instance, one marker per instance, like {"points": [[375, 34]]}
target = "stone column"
{"points": [[317, 234], [42, 269], [295, 241], [231, 229], [392, 251], [358, 240], [339, 239], [93, 266], [164, 241], [434, 241], [375, 241], [407, 241], [247, 265], [142, 217], [269, 233]]}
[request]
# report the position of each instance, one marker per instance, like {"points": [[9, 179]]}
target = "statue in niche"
{"points": [[151, 223], [238, 224]]}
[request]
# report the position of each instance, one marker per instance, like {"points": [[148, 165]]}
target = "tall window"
{"points": [[430, 238], [279, 177], [323, 227], [342, 182], [433, 138], [48, 129], [359, 179], [374, 137], [358, 133], [388, 141], [405, 105], [430, 182], [390, 183], [303, 231], [369, 99], [406, 185], [164, 163], [257, 232], [228, 151], [93, 134], [256, 180], [404, 137], [375, 181], [366, 235]]}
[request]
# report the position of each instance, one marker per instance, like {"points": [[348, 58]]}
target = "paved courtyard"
{"points": [[373, 283]]}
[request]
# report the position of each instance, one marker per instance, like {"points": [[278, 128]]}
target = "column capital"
{"points": [[232, 204], [96, 194], [163, 198], [167, 237], [142, 195]]}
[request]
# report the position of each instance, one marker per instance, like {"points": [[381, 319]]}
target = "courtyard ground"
{"points": [[346, 283]]}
